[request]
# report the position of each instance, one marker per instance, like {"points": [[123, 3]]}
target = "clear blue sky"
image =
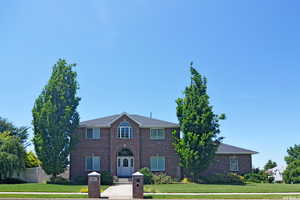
{"points": [[133, 56]]}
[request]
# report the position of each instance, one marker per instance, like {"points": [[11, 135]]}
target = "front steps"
{"points": [[118, 180]]}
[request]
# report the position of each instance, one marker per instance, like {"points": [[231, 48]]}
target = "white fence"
{"points": [[37, 175]]}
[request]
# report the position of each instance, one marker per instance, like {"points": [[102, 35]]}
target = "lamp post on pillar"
{"points": [[138, 185], [94, 185]]}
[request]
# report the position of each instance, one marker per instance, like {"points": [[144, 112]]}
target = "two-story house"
{"points": [[125, 143]]}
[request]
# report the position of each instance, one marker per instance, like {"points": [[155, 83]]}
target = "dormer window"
{"points": [[125, 130]]}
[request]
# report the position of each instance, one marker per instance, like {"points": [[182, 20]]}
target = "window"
{"points": [[157, 133], [92, 163], [125, 130], [93, 133], [131, 162], [125, 162], [157, 163], [233, 164]]}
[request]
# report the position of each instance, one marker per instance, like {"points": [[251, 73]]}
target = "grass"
{"points": [[220, 196], [42, 196], [40, 187], [211, 188]]}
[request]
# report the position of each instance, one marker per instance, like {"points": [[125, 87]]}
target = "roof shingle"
{"points": [[143, 121], [229, 149]]}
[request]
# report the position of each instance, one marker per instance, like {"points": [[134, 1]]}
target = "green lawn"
{"points": [[206, 188], [40, 187], [42, 196], [220, 196]]}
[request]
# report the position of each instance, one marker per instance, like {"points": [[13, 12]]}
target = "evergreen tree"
{"points": [[12, 153], [199, 125], [270, 164], [55, 118]]}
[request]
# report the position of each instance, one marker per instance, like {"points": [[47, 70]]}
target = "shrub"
{"points": [[186, 180], [271, 179], [106, 178], [260, 177], [58, 180], [148, 175], [162, 179], [292, 173], [80, 180], [12, 181], [31, 160], [230, 178]]}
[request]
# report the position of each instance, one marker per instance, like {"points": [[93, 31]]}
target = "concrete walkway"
{"points": [[121, 191]]}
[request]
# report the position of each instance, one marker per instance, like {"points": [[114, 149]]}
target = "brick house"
{"points": [[124, 143]]}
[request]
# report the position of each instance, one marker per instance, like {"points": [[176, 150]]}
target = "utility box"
{"points": [[94, 185], [138, 185]]}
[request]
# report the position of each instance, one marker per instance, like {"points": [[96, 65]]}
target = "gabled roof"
{"points": [[142, 121], [229, 149]]}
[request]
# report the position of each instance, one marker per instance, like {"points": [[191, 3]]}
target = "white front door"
{"points": [[125, 166]]}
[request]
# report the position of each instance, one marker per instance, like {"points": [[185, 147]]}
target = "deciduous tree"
{"points": [[55, 118], [270, 164], [20, 132], [199, 126], [12, 153], [293, 154]]}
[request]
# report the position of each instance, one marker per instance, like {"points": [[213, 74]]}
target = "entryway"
{"points": [[125, 166], [125, 163]]}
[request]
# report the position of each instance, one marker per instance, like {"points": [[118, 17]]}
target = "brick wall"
{"points": [[88, 147], [159, 148], [220, 164]]}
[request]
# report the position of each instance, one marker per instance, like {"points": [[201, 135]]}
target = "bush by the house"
{"points": [[230, 178], [292, 173], [12, 181], [58, 180], [106, 178], [161, 179], [148, 175], [257, 177], [80, 180]]}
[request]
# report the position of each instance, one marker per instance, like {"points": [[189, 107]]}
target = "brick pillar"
{"points": [[138, 185], [94, 185]]}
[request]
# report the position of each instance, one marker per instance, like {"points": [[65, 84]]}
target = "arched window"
{"points": [[125, 130]]}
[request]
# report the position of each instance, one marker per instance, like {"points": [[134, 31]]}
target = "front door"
{"points": [[125, 166]]}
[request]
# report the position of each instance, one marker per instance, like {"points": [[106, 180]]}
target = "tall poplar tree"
{"points": [[199, 126], [55, 118]]}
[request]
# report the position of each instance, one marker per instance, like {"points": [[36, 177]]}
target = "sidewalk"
{"points": [[125, 190], [204, 194]]}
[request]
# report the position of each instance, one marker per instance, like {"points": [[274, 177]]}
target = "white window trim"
{"points": [[130, 132], [93, 168], [93, 138], [157, 138], [231, 166], [156, 169]]}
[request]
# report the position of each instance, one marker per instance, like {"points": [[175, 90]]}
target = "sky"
{"points": [[133, 56]]}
